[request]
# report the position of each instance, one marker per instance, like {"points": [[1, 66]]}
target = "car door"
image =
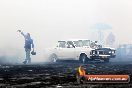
{"points": [[67, 52], [60, 49]]}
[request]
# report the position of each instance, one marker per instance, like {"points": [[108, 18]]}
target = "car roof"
{"points": [[72, 40]]}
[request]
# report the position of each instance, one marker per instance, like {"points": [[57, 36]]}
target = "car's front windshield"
{"points": [[86, 42]]}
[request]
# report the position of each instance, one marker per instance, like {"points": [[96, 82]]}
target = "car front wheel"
{"points": [[107, 60], [83, 58]]}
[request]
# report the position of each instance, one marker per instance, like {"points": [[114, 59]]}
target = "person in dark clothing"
{"points": [[28, 44]]}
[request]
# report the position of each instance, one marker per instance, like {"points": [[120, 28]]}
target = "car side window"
{"points": [[62, 44], [70, 44]]}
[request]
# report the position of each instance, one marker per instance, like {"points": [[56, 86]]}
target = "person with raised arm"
{"points": [[27, 46]]}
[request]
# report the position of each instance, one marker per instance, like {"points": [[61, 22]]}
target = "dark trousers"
{"points": [[28, 58]]}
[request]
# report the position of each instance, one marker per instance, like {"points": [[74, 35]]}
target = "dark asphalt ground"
{"points": [[60, 74]]}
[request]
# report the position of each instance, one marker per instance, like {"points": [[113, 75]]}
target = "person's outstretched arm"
{"points": [[22, 33]]}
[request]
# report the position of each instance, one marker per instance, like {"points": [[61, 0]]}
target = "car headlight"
{"points": [[109, 51], [113, 52]]}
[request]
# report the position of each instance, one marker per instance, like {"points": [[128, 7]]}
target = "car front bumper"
{"points": [[100, 57]]}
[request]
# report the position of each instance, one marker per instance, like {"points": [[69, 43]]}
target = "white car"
{"points": [[68, 50], [77, 50]]}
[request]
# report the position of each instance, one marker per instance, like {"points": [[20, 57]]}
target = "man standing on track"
{"points": [[28, 43]]}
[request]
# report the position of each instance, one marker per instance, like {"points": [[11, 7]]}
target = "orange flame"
{"points": [[81, 71]]}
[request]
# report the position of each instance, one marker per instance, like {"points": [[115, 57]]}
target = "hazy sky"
{"points": [[52, 20]]}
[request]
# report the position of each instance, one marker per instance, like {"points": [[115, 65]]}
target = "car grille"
{"points": [[103, 52]]}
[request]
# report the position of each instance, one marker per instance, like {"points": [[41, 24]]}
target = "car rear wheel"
{"points": [[83, 58], [53, 58]]}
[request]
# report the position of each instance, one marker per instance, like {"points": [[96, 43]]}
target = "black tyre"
{"points": [[83, 58], [53, 58], [107, 60]]}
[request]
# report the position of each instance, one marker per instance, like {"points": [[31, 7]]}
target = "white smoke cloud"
{"points": [[52, 20]]}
